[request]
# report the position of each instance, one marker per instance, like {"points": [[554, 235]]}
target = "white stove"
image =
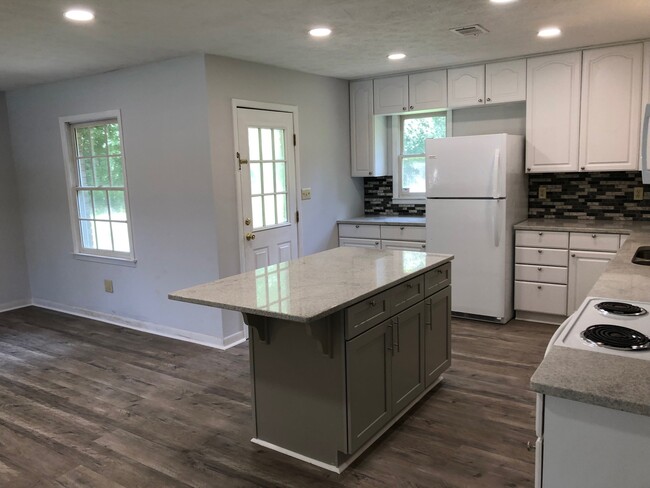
{"points": [[608, 326]]}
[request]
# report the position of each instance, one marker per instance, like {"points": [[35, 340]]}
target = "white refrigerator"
{"points": [[476, 191]]}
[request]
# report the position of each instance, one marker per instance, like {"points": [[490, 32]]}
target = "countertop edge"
{"points": [[415, 221], [569, 225]]}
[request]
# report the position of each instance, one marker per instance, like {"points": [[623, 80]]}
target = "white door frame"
{"points": [[274, 107]]}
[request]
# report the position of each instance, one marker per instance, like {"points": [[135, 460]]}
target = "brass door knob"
{"points": [[250, 236]]}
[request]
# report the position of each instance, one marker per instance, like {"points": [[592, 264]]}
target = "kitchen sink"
{"points": [[642, 256]]}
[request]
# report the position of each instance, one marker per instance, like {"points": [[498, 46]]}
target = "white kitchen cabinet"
{"points": [[352, 242], [403, 245], [396, 237], [610, 119], [585, 267], [367, 133], [416, 92], [505, 82], [553, 112], [466, 86], [391, 95]]}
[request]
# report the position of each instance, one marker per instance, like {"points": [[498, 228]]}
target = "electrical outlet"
{"points": [[638, 193], [305, 193], [541, 193], [108, 286]]}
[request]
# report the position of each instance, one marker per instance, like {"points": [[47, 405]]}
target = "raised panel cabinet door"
{"points": [[428, 91], [407, 357], [610, 119], [391, 95], [505, 82], [585, 267], [553, 113], [437, 335], [361, 127], [368, 358], [466, 86]]}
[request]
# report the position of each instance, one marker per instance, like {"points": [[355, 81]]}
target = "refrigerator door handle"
{"points": [[496, 222], [645, 171], [495, 173]]}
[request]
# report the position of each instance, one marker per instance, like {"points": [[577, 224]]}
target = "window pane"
{"points": [[267, 145], [83, 142], [281, 201], [269, 210], [253, 144], [278, 137], [113, 139], [117, 171], [258, 219], [413, 175], [99, 141], [268, 177], [87, 228], [121, 236], [256, 178], [85, 204], [101, 204], [86, 172], [280, 177], [104, 240], [416, 130], [117, 204], [102, 177]]}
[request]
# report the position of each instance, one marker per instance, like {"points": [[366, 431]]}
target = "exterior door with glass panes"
{"points": [[268, 195]]}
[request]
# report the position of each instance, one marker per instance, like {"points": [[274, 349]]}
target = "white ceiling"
{"points": [[37, 45]]}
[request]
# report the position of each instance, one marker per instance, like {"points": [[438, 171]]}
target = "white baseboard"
{"points": [[149, 327], [5, 307]]}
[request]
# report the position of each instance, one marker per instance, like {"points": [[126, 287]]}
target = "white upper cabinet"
{"points": [[610, 119], [367, 133], [505, 82], [391, 95], [466, 86], [428, 91], [553, 113]]}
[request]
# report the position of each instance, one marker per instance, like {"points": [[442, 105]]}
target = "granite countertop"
{"points": [[386, 220], [592, 377], [314, 286]]}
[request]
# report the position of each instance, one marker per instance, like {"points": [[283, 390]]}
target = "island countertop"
{"points": [[314, 286]]}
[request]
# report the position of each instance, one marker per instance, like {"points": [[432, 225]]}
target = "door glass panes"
{"points": [[101, 192], [268, 176]]}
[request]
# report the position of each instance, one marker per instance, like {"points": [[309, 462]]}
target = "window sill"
{"points": [[131, 263], [410, 201]]}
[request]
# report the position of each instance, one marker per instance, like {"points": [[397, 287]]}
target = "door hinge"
{"points": [[294, 140], [297, 216]]}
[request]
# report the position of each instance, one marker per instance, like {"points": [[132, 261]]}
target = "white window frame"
{"points": [[66, 125], [399, 196]]}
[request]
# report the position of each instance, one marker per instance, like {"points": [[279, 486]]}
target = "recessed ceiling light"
{"points": [[79, 15], [396, 56], [320, 32], [549, 32], [502, 1]]}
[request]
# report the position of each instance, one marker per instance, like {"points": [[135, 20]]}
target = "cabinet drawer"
{"points": [[529, 238], [403, 233], [594, 242], [403, 245], [543, 274], [540, 297], [359, 230], [352, 242], [406, 294], [363, 315], [437, 279], [545, 257]]}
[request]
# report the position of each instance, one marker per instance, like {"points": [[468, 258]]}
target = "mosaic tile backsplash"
{"points": [[596, 196], [378, 199]]}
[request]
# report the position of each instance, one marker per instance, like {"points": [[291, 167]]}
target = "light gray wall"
{"points": [[167, 153], [14, 285], [323, 106], [490, 119]]}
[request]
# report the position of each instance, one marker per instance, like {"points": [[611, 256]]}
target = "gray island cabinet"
{"points": [[342, 344]]}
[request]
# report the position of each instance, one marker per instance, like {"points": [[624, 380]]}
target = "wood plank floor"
{"points": [[86, 404]]}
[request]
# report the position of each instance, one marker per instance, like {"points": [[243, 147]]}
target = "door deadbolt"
{"points": [[247, 221]]}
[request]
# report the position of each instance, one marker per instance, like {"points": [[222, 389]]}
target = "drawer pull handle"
{"points": [[424, 246], [372, 303], [409, 285], [401, 228], [573, 255], [539, 251], [439, 271], [593, 235], [539, 269], [539, 287], [356, 226], [541, 233]]}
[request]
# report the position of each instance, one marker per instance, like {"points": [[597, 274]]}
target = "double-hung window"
{"points": [[96, 174], [409, 177]]}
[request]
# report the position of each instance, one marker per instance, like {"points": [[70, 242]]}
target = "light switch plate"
{"points": [[108, 286], [541, 193], [638, 193], [305, 193]]}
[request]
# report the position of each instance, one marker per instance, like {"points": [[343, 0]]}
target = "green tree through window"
{"points": [[415, 131]]}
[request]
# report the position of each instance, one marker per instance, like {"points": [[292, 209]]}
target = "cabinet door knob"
{"points": [[539, 251], [573, 255], [424, 246], [370, 173], [480, 100], [376, 243], [593, 235], [409, 285], [539, 268], [530, 446], [372, 303], [488, 99], [582, 168], [527, 169], [401, 228], [356, 226], [539, 287], [411, 107], [404, 108], [541, 233]]}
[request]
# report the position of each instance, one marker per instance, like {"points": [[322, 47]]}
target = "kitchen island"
{"points": [[342, 344]]}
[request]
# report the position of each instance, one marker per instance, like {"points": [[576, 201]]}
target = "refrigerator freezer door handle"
{"points": [[645, 171], [496, 221], [495, 173]]}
